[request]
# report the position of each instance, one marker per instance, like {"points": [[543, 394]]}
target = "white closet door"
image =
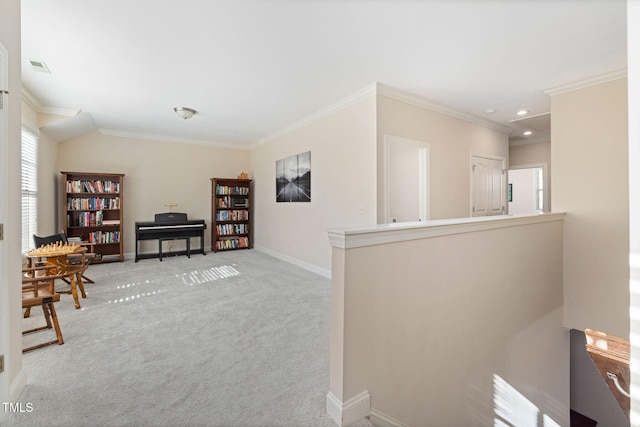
{"points": [[488, 185]]}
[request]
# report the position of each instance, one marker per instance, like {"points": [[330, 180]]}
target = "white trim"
{"points": [[334, 408], [151, 137], [4, 75], [295, 261], [6, 278], [592, 81], [18, 385], [419, 101], [350, 411], [388, 92], [35, 103], [383, 420], [291, 260], [322, 113], [356, 237]]}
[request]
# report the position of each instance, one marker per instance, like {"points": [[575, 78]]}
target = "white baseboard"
{"points": [[350, 411], [18, 385], [295, 261], [291, 260], [379, 419]]}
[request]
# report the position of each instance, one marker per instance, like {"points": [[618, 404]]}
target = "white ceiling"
{"points": [[253, 67]]}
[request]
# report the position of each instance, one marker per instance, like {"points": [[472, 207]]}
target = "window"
{"points": [[29, 188]]}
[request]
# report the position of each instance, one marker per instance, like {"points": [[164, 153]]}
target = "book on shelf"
{"points": [[226, 189], [83, 186], [234, 243]]}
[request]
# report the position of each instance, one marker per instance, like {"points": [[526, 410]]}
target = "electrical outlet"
{"points": [[1, 363]]}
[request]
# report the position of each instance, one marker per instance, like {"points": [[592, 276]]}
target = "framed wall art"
{"points": [[293, 178]]}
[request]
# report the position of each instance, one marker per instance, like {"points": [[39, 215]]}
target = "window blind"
{"points": [[29, 188]]}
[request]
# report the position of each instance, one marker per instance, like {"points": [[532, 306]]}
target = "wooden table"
{"points": [[612, 355], [58, 258]]}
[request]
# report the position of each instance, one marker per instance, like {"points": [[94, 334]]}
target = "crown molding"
{"points": [[37, 106], [389, 92], [324, 112], [591, 81], [31, 100], [419, 101], [162, 138]]}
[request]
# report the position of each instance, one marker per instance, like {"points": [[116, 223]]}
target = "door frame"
{"points": [[545, 182], [424, 159], [5, 295]]}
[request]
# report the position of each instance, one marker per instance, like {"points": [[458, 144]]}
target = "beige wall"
{"points": [[425, 337], [155, 173], [452, 141], [13, 380], [48, 172], [590, 183], [343, 192], [530, 154]]}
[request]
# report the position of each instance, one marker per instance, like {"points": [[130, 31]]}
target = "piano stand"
{"points": [[185, 238], [170, 226]]}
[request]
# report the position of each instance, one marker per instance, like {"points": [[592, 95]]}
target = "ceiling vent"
{"points": [[39, 66]]}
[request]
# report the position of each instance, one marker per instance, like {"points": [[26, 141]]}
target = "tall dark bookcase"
{"points": [[92, 212], [231, 214]]}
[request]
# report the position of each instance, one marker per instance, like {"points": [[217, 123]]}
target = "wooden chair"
{"points": [[38, 290], [62, 237]]}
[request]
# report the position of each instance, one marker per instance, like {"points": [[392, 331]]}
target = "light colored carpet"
{"points": [[227, 339]]}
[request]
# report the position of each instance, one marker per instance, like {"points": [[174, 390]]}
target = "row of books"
{"points": [[231, 229], [227, 189], [104, 237], [90, 219], [92, 203], [79, 186], [239, 242], [232, 215], [229, 202]]}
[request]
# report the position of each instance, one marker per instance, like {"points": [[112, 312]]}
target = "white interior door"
{"points": [[406, 179], [488, 186]]}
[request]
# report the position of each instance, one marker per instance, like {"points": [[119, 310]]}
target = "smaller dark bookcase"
{"points": [[231, 214], [92, 212]]}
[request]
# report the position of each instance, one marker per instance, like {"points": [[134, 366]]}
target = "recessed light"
{"points": [[527, 133], [490, 111], [522, 112]]}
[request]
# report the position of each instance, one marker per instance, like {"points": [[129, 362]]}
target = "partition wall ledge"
{"points": [[380, 234]]}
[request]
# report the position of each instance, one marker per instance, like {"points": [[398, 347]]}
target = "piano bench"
{"points": [[186, 238]]}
